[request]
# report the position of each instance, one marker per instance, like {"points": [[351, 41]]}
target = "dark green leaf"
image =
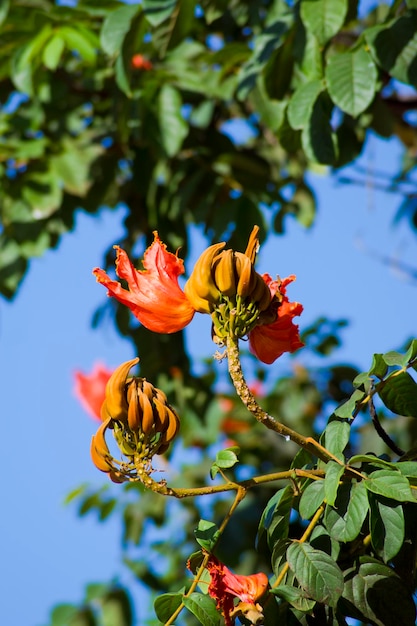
{"points": [[115, 27], [334, 472], [369, 591], [399, 394], [316, 572], [317, 136], [295, 596], [351, 79], [394, 47], [203, 607], [166, 605], [390, 484], [276, 516], [344, 520], [311, 498], [323, 18], [387, 527], [370, 458]]}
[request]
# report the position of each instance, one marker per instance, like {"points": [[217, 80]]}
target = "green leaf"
{"points": [[407, 468], [411, 353], [323, 18], [369, 591], [72, 166], [157, 11], [395, 358], [317, 136], [116, 608], [302, 102], [316, 572], [391, 484], [227, 458], [344, 520], [351, 80], [275, 518], [173, 127], [203, 607], [53, 51], [321, 540], [27, 58], [4, 9], [311, 498], [394, 47], [115, 27], [336, 436], [399, 394], [379, 366], [166, 604], [295, 596], [347, 408], [79, 40], [387, 527], [206, 534], [334, 472], [370, 458], [62, 613]]}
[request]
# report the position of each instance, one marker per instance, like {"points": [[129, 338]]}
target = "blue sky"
{"points": [[45, 335]]}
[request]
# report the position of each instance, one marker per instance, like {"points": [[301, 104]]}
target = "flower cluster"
{"points": [[142, 420], [223, 284]]}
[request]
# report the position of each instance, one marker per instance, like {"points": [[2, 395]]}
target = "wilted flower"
{"points": [[90, 388], [223, 284], [142, 420], [226, 586]]}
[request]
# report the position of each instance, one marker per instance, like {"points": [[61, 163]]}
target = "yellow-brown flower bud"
{"points": [[142, 420], [225, 284]]}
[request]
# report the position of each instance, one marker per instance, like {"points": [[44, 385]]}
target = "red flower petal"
{"points": [[225, 586], [270, 341], [154, 296], [90, 389]]}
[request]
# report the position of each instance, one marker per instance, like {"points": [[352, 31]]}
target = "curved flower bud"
{"points": [[154, 295], [200, 288], [115, 404]]}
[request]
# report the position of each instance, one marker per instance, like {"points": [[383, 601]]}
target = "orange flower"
{"points": [[90, 388], [139, 62], [223, 284], [154, 295], [268, 341], [226, 586]]}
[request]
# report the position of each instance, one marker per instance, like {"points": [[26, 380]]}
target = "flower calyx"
{"points": [[225, 284], [142, 421]]}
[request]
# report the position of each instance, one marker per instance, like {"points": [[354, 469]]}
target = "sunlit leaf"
{"points": [[387, 527], [390, 484], [323, 18], [173, 127], [351, 79], [344, 520], [166, 604]]}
